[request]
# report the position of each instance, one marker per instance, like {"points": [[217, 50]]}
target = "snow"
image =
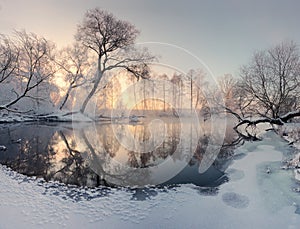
{"points": [[291, 133], [252, 198], [61, 116], [289, 114], [57, 116], [297, 174]]}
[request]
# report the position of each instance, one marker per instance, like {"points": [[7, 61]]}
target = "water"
{"points": [[155, 152], [235, 190]]}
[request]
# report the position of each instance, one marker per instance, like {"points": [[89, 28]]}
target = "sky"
{"points": [[221, 35]]}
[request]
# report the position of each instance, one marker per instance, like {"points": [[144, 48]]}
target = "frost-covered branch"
{"points": [[111, 40], [31, 69]]}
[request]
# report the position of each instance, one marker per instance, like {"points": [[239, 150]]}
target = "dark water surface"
{"points": [[111, 154]]}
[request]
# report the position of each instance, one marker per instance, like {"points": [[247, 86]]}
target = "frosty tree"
{"points": [[73, 63], [268, 89], [8, 58], [272, 80], [25, 66], [112, 41]]}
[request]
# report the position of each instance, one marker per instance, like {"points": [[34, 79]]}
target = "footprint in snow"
{"points": [[235, 200]]}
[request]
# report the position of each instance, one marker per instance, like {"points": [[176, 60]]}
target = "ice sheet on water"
{"points": [[276, 187]]}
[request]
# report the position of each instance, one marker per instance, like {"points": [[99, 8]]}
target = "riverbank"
{"points": [[291, 133], [259, 194]]}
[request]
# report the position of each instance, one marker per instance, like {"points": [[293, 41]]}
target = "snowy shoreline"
{"points": [[291, 133], [53, 117], [67, 117], [252, 198]]}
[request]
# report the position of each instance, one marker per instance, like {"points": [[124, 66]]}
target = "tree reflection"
{"points": [[69, 167], [95, 155]]}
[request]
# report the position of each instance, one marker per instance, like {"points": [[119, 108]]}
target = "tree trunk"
{"points": [[92, 92], [164, 90], [65, 98], [191, 95]]}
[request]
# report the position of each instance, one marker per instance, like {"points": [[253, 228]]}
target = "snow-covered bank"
{"points": [[252, 198], [291, 133], [58, 116]]}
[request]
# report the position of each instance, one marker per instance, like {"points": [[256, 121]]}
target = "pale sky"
{"points": [[223, 34]]}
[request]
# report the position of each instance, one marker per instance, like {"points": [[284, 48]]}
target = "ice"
{"points": [[235, 174], [251, 199]]}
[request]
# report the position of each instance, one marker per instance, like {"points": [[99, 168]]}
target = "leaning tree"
{"points": [[112, 42]]}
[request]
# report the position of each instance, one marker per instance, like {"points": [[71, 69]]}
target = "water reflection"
{"points": [[102, 154]]}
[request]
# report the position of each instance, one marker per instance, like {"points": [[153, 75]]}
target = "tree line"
{"points": [[34, 74], [103, 43]]}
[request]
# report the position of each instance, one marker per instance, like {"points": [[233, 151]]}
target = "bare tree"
{"points": [[177, 81], [73, 62], [197, 84], [8, 58], [33, 66], [268, 90], [229, 91], [164, 78], [191, 75], [111, 40], [271, 80]]}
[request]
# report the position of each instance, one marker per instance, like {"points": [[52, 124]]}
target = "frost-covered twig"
{"points": [[13, 110]]}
